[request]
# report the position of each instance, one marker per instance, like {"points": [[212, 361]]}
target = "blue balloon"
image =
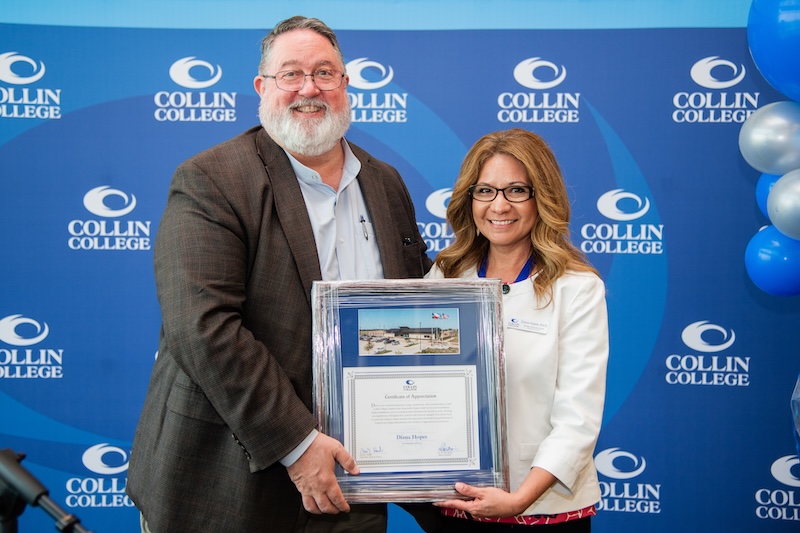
{"points": [[772, 261], [773, 34], [764, 185]]}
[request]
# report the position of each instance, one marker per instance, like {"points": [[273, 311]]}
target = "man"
{"points": [[227, 440]]}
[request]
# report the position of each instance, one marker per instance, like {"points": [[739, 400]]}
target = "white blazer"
{"points": [[556, 359]]}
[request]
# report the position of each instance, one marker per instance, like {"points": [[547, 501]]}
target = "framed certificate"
{"points": [[409, 376]]}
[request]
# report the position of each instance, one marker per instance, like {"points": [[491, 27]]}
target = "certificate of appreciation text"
{"points": [[407, 419]]}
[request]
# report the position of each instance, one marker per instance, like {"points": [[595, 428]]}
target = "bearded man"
{"points": [[227, 441]]}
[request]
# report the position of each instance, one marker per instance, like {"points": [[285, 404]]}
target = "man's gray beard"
{"points": [[311, 137]]}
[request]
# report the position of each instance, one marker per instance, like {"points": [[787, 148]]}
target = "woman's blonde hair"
{"points": [[553, 252]]}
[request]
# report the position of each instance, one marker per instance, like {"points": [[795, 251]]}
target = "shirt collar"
{"points": [[352, 166]]}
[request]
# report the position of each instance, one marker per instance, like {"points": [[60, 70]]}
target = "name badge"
{"points": [[527, 325]]}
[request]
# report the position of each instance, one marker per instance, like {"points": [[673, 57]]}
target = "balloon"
{"points": [[773, 35], [764, 185], [783, 204], [770, 138], [772, 261]]}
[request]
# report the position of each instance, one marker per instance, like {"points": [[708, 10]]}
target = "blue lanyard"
{"points": [[524, 274]]}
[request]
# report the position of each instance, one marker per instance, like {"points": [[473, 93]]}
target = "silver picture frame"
{"points": [[410, 376]]}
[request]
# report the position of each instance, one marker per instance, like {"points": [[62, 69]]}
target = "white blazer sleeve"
{"points": [[579, 395]]}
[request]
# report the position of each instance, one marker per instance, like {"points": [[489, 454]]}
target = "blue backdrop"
{"points": [[98, 105]]}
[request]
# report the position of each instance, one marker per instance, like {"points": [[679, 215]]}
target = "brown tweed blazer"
{"points": [[230, 392]]}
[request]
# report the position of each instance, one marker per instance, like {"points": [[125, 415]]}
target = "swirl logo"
{"points": [[94, 201], [702, 73], [7, 74], [437, 201], [604, 461], [94, 459], [180, 73], [782, 470], [608, 205], [692, 336], [409, 382], [9, 335], [355, 70], [525, 73]]}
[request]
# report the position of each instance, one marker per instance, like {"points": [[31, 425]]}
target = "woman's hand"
{"points": [[486, 502], [491, 502]]}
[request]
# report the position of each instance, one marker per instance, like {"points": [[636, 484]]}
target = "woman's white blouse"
{"points": [[556, 357]]}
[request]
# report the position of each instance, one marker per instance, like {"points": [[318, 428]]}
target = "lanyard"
{"points": [[524, 274]]}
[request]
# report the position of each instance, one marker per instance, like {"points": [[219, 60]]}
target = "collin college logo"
{"points": [[374, 106], [540, 75], [180, 72], [714, 105], [107, 233], [106, 491], [18, 357], [437, 235], [621, 235], [783, 503], [619, 494], [195, 106], [704, 368], [18, 101]]}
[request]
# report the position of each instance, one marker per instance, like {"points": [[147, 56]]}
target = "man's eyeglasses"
{"points": [[513, 193], [293, 80]]}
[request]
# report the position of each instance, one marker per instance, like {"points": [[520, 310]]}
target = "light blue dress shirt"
{"points": [[346, 243]]}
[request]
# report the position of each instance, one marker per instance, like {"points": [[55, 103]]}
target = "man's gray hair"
{"points": [[296, 23]]}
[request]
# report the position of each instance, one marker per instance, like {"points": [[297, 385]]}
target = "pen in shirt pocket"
{"points": [[364, 227]]}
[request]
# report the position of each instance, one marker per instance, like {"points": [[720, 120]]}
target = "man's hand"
{"points": [[313, 475]]}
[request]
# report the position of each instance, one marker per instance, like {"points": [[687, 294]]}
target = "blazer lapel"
{"points": [[291, 210]]}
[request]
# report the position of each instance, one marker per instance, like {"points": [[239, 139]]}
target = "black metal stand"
{"points": [[19, 488]]}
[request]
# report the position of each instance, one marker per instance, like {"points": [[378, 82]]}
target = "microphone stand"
{"points": [[19, 488]]}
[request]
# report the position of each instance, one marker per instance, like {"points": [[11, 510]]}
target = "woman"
{"points": [[510, 215]]}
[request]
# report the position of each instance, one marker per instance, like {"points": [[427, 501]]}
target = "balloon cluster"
{"points": [[770, 142], [795, 403]]}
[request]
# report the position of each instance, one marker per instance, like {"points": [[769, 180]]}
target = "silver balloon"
{"points": [[783, 204], [770, 138]]}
